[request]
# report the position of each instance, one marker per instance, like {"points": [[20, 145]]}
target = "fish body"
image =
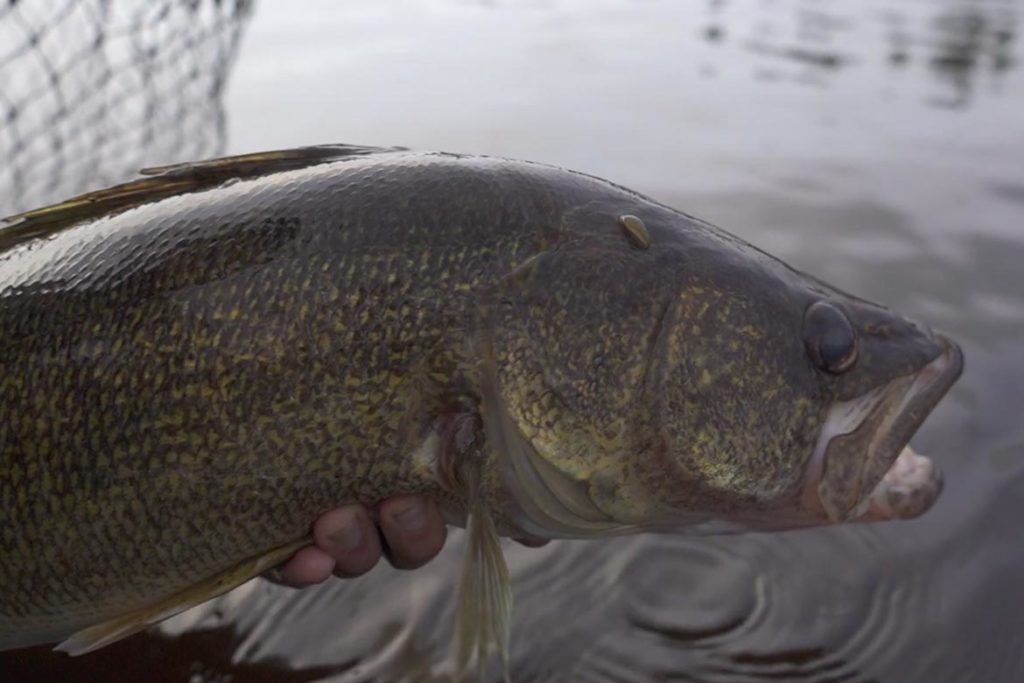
{"points": [[195, 365]]}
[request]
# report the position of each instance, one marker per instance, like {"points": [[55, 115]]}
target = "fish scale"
{"points": [[174, 332], [196, 364]]}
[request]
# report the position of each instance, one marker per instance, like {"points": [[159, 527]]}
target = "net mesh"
{"points": [[93, 90]]}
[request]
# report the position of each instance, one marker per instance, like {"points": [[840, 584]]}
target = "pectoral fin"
{"points": [[485, 596], [95, 637]]}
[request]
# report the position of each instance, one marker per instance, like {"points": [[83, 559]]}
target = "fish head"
{"points": [[702, 383], [796, 406], [861, 467]]}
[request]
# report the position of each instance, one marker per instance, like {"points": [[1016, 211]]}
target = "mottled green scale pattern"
{"points": [[191, 382], [215, 355], [670, 377]]}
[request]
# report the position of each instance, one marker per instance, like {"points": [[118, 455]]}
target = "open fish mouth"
{"points": [[861, 468]]}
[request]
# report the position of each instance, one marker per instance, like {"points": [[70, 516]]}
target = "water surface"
{"points": [[877, 144]]}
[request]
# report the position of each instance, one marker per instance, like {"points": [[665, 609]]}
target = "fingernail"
{"points": [[411, 517], [349, 536]]}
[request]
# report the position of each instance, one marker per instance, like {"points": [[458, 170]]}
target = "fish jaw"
{"points": [[862, 468]]}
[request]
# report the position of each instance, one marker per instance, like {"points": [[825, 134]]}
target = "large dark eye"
{"points": [[829, 338]]}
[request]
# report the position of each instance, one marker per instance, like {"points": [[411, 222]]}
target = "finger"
{"points": [[414, 530], [308, 566], [348, 535]]}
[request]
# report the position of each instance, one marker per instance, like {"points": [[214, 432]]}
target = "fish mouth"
{"points": [[861, 468]]}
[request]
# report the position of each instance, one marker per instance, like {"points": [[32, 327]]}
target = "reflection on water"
{"points": [[972, 40], [961, 43], [203, 654], [876, 144]]}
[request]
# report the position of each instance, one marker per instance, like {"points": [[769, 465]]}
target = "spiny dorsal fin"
{"points": [[164, 181]]}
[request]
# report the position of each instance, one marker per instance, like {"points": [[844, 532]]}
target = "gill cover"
{"points": [[572, 330]]}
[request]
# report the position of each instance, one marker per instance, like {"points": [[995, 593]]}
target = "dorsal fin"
{"points": [[165, 181]]}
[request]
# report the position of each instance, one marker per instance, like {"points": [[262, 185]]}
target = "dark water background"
{"points": [[878, 144]]}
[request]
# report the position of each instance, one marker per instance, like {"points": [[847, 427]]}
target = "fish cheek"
{"points": [[737, 405]]}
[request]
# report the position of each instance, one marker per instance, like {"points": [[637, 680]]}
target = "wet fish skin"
{"points": [[193, 381], [672, 385], [187, 380]]}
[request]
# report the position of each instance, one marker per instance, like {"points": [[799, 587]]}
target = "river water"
{"points": [[877, 144]]}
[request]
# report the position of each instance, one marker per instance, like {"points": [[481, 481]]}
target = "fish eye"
{"points": [[829, 338]]}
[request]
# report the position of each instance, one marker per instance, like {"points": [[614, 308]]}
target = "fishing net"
{"points": [[92, 90]]}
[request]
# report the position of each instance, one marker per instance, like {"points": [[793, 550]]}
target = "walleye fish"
{"points": [[196, 364]]}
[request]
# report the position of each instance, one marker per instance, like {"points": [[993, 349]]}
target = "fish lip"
{"points": [[888, 418]]}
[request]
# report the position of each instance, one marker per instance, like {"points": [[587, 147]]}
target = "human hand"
{"points": [[347, 542]]}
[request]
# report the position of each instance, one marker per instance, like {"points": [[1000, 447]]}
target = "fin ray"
{"points": [[112, 630], [160, 182], [484, 611]]}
